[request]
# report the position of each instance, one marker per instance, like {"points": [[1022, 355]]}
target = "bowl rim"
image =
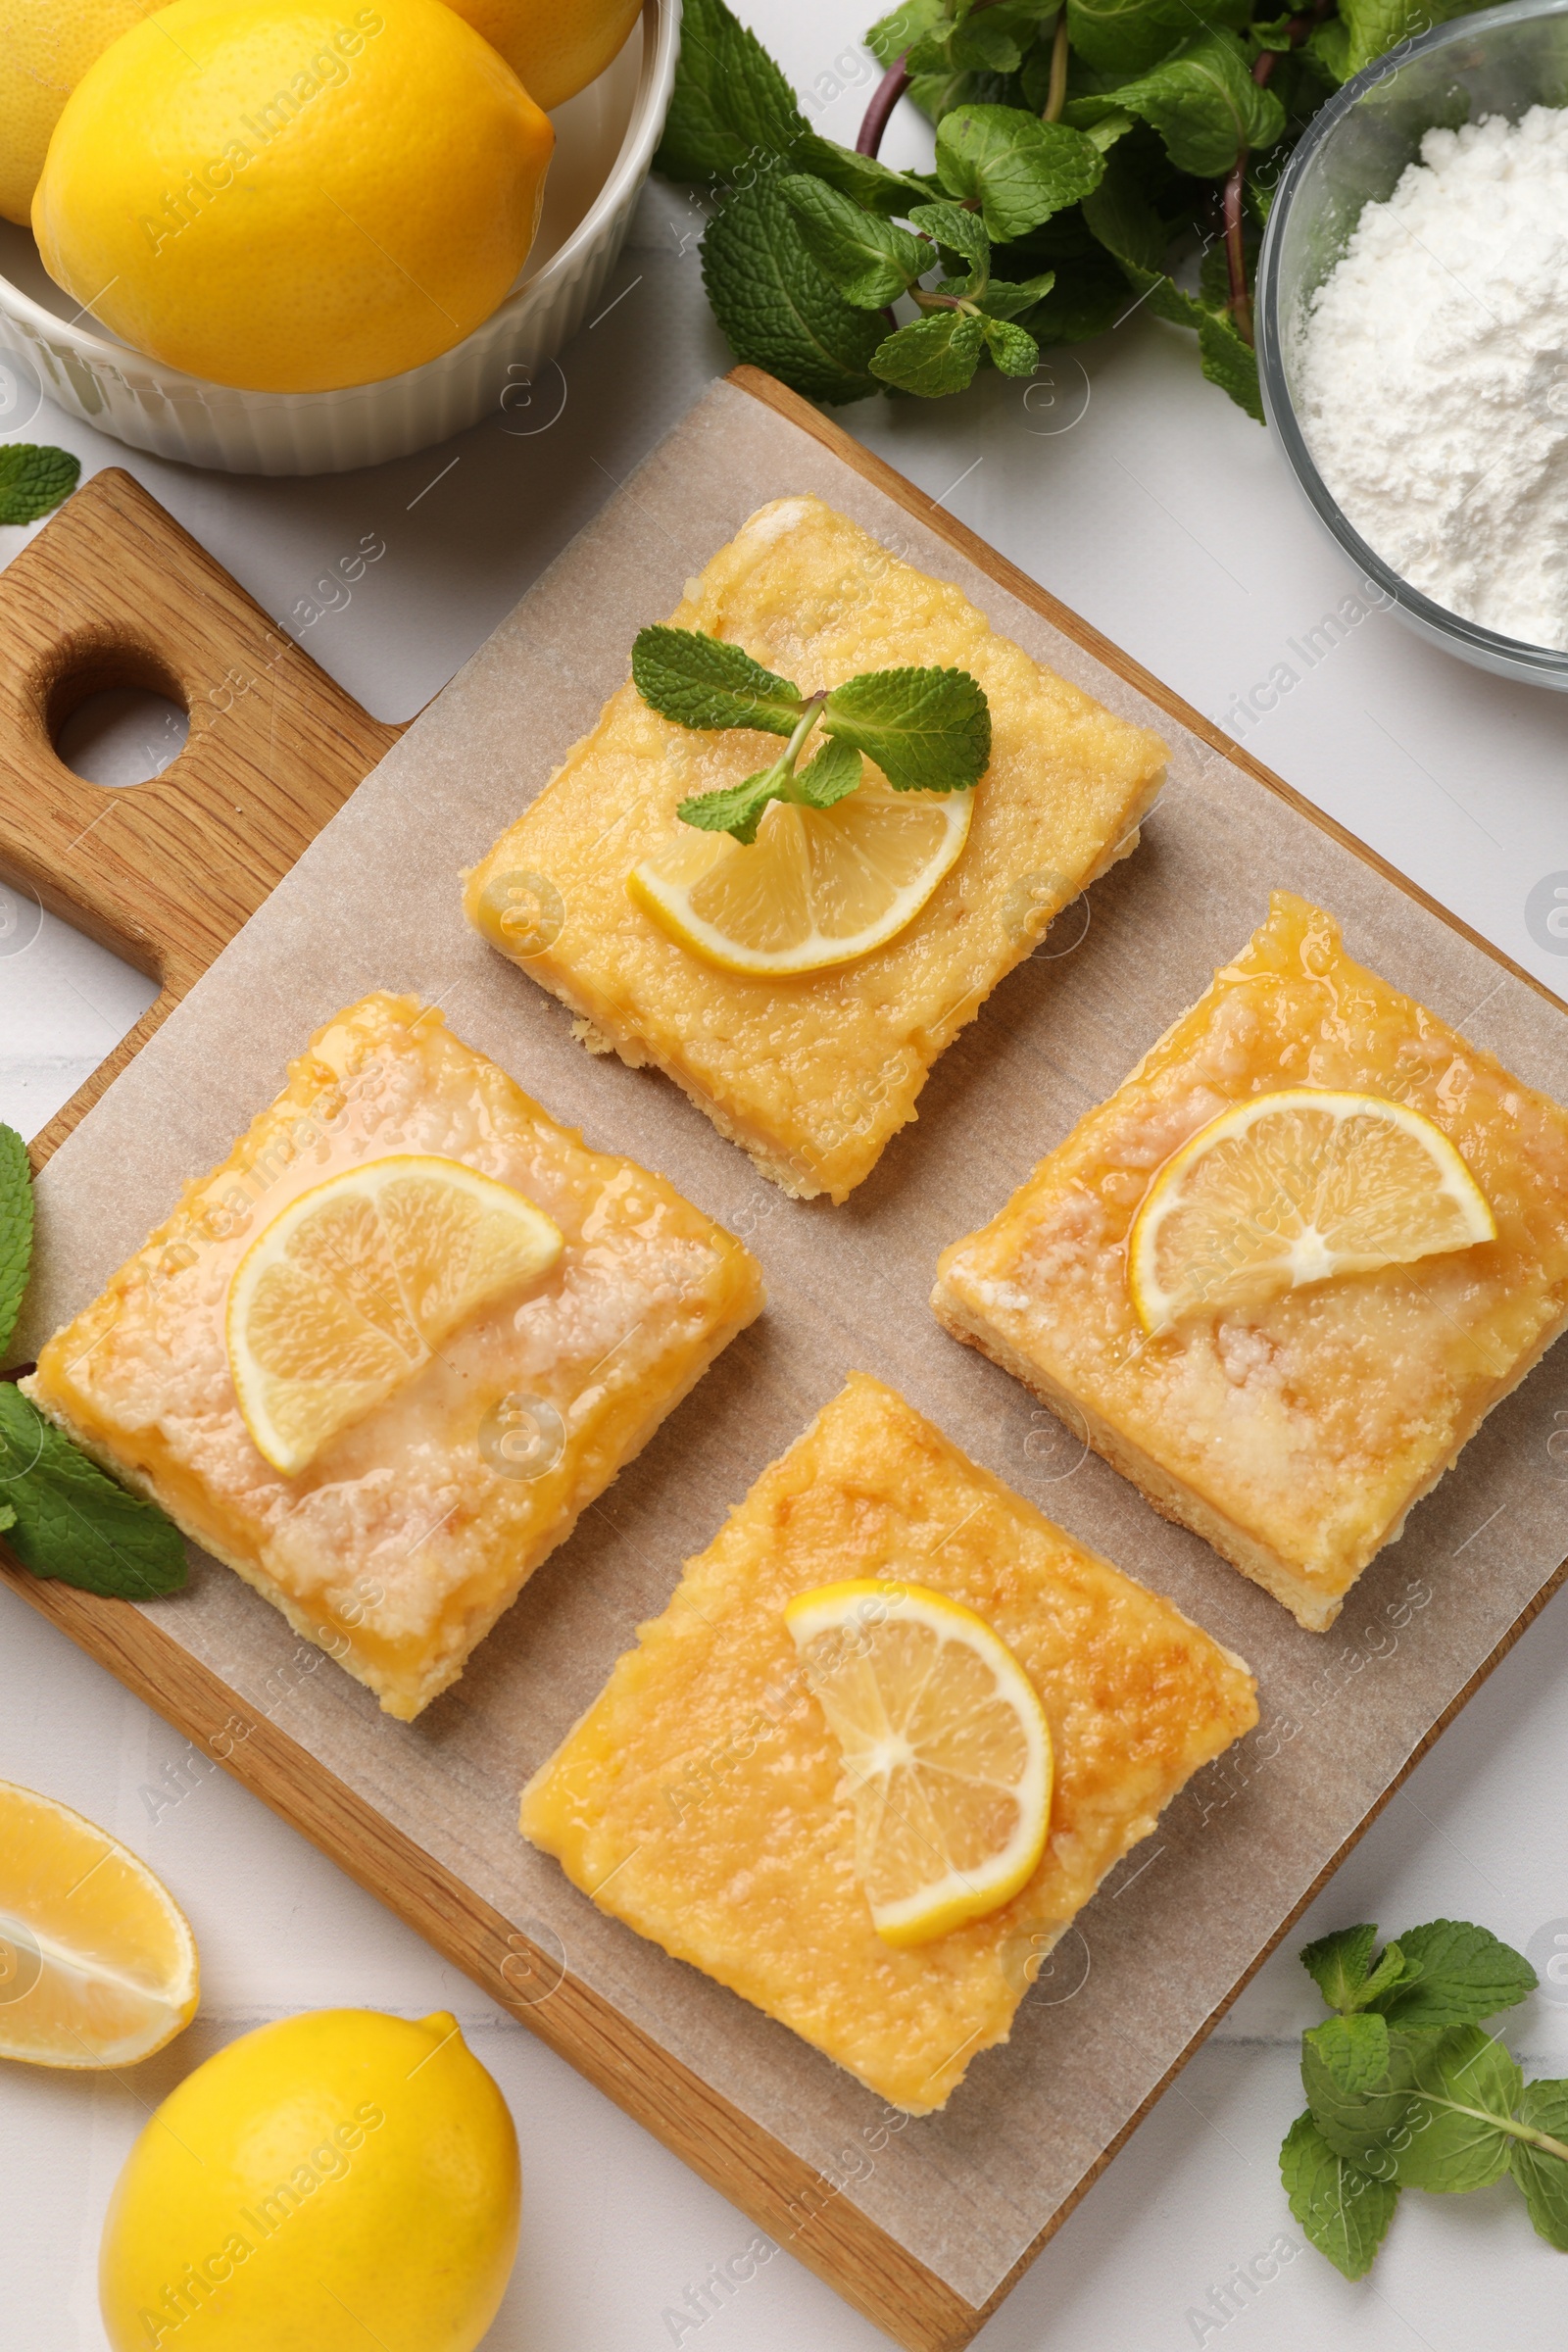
{"points": [[661, 31], [1515, 656]]}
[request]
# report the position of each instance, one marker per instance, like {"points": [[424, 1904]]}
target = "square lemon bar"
{"points": [[812, 1073], [413, 1528], [700, 1798], [1295, 1433]]}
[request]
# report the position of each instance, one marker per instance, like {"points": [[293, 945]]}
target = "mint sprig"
{"points": [[35, 479], [928, 730], [61, 1515], [1405, 2090]]}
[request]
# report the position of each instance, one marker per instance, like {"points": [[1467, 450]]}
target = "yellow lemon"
{"points": [[337, 2180], [292, 198], [555, 47], [45, 48]]}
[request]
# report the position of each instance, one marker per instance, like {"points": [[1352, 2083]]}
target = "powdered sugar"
{"points": [[1433, 384]]}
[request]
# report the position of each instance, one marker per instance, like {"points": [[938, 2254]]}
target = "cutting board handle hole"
{"points": [[117, 714]]}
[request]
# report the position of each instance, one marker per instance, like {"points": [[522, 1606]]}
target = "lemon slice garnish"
{"points": [[354, 1286], [1294, 1188], [946, 1747], [817, 887], [97, 1960]]}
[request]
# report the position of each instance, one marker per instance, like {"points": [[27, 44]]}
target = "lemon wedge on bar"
{"points": [[1292, 1188], [97, 1960], [356, 1285], [946, 1751], [816, 887]]}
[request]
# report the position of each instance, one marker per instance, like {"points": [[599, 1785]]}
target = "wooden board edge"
{"points": [[985, 558], [795, 2205]]}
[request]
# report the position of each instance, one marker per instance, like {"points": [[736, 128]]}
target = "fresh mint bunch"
{"points": [[928, 730], [1095, 147], [33, 479], [60, 1515], [1406, 2091]]}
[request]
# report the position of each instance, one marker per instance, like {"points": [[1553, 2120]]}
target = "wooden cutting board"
{"points": [[927, 2237]]}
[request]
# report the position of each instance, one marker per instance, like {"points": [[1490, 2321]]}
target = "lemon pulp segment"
{"points": [[946, 1747]]}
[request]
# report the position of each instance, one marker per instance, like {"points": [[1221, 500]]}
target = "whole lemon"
{"points": [[45, 48], [339, 2181], [555, 47], [293, 197]]}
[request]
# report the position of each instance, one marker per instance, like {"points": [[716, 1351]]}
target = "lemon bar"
{"points": [[1295, 1433], [403, 1541], [812, 1073], [700, 1798]]}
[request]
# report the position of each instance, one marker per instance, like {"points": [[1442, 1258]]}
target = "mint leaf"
{"points": [[1375, 26], [71, 1522], [937, 353], [8, 1517], [1363, 2124], [1330, 45], [956, 231], [33, 480], [739, 809], [862, 178], [1230, 362], [777, 305], [1542, 2175], [928, 730], [1392, 1968], [1018, 170], [1465, 1975], [730, 105], [1010, 301], [1352, 2051], [1344, 2211], [869, 260], [1465, 2089], [702, 681], [1122, 215], [831, 776], [891, 35], [15, 1230], [1013, 352], [1128, 36], [1338, 1964], [1203, 103]]}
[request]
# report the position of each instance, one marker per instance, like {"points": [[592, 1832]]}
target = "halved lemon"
{"points": [[816, 887], [97, 1960], [354, 1286], [1292, 1188], [946, 1751]]}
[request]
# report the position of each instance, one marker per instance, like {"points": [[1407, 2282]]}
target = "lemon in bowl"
{"points": [[555, 47], [45, 48], [293, 198], [335, 2180]]}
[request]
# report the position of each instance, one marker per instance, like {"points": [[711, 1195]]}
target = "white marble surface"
{"points": [[1166, 517]]}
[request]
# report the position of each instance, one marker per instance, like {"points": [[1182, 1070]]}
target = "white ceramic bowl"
{"points": [[605, 139]]}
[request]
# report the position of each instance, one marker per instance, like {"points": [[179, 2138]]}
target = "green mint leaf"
{"points": [[1203, 103], [739, 809], [1465, 1975], [1352, 2051], [954, 230], [730, 106], [1013, 352], [1019, 170], [1110, 127], [777, 306], [1330, 45], [71, 1522], [891, 35], [1230, 362], [936, 94], [928, 730], [862, 178], [1087, 299], [8, 1517], [1465, 2089], [869, 260], [702, 681], [831, 776], [1393, 1969], [1365, 2126], [1010, 301], [937, 353], [1375, 26], [1127, 36], [1542, 2175], [15, 1230], [1344, 2211], [33, 480], [1338, 1964]]}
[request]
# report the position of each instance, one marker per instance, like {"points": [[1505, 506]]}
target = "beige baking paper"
{"points": [[374, 903]]}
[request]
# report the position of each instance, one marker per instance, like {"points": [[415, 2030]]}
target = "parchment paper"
{"points": [[374, 903]]}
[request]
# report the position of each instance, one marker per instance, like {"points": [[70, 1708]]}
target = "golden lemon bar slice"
{"points": [[702, 1798], [811, 1074], [415, 1526], [1292, 1420]]}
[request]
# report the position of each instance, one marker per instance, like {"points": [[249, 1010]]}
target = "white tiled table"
{"points": [[1167, 519]]}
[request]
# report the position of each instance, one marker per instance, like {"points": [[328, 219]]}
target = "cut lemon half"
{"points": [[946, 1747], [1294, 1188], [355, 1285], [816, 887], [97, 1960]]}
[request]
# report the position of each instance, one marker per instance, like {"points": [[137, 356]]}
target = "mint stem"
{"points": [[784, 766], [1056, 87], [884, 98], [1504, 2123]]}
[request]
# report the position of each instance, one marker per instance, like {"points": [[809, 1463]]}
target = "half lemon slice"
{"points": [[816, 887], [1292, 1188], [946, 1751], [97, 1960], [355, 1285]]}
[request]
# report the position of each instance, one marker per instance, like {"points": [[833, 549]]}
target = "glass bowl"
{"points": [[1503, 62]]}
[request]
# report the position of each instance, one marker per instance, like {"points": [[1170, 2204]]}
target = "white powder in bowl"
{"points": [[1433, 375]]}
